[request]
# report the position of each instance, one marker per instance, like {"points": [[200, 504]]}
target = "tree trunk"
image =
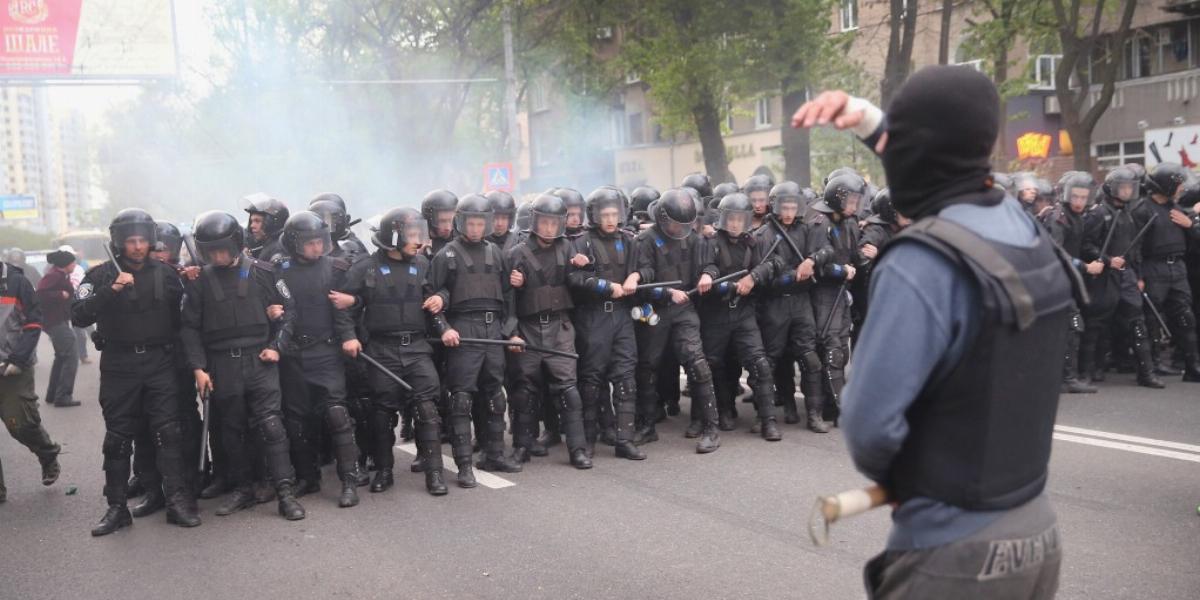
{"points": [[797, 155], [944, 33], [1001, 75], [712, 145], [903, 29]]}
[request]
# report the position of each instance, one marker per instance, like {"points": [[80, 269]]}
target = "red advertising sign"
{"points": [[38, 36]]}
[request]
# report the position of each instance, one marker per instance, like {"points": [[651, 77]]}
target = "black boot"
{"points": [[116, 517], [499, 463], [493, 455], [289, 507], [726, 421], [817, 422], [308, 485], [216, 488], [627, 449], [770, 431], [383, 481], [579, 459], [520, 455], [694, 428], [50, 469], [349, 495], [1145, 361], [813, 403], [710, 440], [1191, 356], [241, 498], [434, 483], [466, 475], [181, 511], [790, 415], [1071, 383], [152, 502]]}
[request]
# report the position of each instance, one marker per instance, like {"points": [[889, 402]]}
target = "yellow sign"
{"points": [[1033, 145]]}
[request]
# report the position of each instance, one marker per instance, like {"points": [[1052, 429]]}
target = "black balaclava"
{"points": [[941, 127]]}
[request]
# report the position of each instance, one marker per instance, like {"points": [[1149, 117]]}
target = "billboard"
{"points": [[18, 207], [1173, 144], [87, 39]]}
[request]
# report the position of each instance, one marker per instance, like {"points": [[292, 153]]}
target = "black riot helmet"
{"points": [[329, 197], [400, 227], [1074, 180], [216, 230], [274, 211], [786, 192], [735, 214], [302, 229], [639, 201], [131, 222], [722, 189], [334, 215], [606, 197], [502, 203], [839, 171], [840, 191], [883, 212], [1121, 184], [699, 182], [1024, 187], [168, 239], [757, 183], [548, 217], [473, 206], [1191, 192], [1045, 190], [1167, 179], [439, 202], [675, 213], [574, 203], [524, 216]]}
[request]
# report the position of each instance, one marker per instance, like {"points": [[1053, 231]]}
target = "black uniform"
{"points": [[311, 373], [542, 305], [605, 333], [661, 258], [1166, 276], [269, 250], [1067, 230], [876, 233], [473, 281], [838, 241], [730, 327], [391, 293], [1114, 293], [225, 327], [139, 386]]}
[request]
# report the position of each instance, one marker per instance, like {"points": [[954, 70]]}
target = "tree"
{"points": [[902, 21], [944, 32], [1083, 42]]}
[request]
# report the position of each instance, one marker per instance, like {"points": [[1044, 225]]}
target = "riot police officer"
{"points": [[233, 350], [573, 201], [671, 250], [604, 332], [640, 200], [332, 208], [1109, 232], [135, 306], [504, 214], [835, 227], [398, 308], [758, 189], [785, 314], [267, 216], [1066, 227], [728, 316], [473, 279], [311, 373], [438, 208], [1163, 247], [541, 266]]}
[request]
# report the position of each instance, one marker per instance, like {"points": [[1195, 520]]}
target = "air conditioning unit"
{"points": [[604, 33], [1050, 105]]}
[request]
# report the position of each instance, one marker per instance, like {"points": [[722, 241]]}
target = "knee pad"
{"points": [[426, 410], [624, 390], [170, 434], [1186, 320], [338, 418], [496, 404], [835, 358], [272, 430], [762, 370], [1138, 327], [460, 404], [1077, 322], [810, 361], [699, 372], [117, 446]]}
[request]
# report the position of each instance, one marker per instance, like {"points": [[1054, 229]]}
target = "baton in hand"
{"points": [[385, 371], [831, 509], [1166, 331], [204, 425], [647, 286], [508, 343], [1139, 235], [720, 280]]}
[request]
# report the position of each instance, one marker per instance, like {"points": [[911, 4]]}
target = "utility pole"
{"points": [[511, 140]]}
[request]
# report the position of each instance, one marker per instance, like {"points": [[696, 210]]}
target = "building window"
{"points": [[849, 15], [539, 147], [1044, 69], [537, 97], [729, 117], [762, 113], [636, 131], [617, 129], [1114, 154]]}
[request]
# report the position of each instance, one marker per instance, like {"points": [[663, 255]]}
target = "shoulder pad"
{"points": [[94, 269], [264, 265], [815, 219], [341, 264]]}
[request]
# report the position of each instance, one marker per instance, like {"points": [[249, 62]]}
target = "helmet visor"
{"points": [[220, 252], [734, 222], [548, 226], [473, 225], [672, 228], [310, 245]]}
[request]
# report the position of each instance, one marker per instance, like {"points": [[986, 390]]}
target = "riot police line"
{"points": [[566, 319]]}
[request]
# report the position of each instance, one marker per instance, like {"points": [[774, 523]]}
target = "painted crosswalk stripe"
{"points": [[1133, 439], [1128, 447], [483, 477]]}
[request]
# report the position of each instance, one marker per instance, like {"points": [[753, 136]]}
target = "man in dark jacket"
{"points": [[54, 293]]}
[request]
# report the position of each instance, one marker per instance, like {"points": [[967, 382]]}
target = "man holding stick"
{"points": [[976, 293]]}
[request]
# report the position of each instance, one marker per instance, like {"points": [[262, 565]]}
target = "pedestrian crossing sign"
{"points": [[497, 177]]}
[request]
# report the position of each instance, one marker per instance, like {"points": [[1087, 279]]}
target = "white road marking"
{"points": [[483, 477], [1128, 447], [1128, 438]]}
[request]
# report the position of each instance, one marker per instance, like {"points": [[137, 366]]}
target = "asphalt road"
{"points": [[678, 525]]}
